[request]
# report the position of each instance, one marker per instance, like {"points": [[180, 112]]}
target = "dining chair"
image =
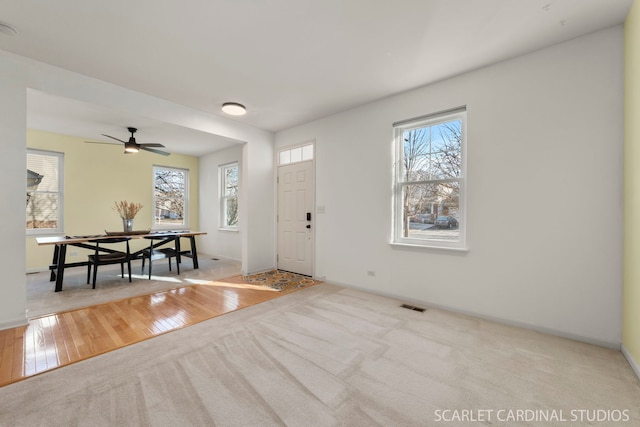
{"points": [[155, 251], [105, 256]]}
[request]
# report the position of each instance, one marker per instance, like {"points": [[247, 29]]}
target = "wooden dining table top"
{"points": [[61, 240]]}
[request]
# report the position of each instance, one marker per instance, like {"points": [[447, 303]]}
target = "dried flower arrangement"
{"points": [[127, 210]]}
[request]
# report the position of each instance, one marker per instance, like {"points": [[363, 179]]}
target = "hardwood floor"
{"points": [[56, 340]]}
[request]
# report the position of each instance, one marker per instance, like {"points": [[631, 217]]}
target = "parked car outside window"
{"points": [[446, 222], [424, 218]]}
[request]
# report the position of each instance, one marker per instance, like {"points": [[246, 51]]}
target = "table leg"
{"points": [[178, 258], [56, 249], [194, 252], [62, 254]]}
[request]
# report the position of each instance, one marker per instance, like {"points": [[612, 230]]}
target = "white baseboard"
{"points": [[37, 270], [202, 255], [634, 364], [508, 322]]}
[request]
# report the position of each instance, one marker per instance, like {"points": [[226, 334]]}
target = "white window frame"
{"points": [[185, 224], [224, 198], [60, 228], [397, 237]]}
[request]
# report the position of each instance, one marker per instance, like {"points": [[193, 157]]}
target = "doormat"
{"points": [[281, 280]]}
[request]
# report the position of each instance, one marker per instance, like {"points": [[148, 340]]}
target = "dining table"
{"points": [[59, 262]]}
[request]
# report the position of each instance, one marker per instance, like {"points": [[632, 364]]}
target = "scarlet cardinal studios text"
{"points": [[531, 415]]}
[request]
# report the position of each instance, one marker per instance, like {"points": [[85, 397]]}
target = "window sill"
{"points": [[428, 247], [229, 230]]}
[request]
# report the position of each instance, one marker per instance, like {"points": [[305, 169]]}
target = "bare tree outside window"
{"points": [[428, 200], [170, 196], [229, 196]]}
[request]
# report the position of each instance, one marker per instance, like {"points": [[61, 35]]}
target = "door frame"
{"points": [[314, 221]]}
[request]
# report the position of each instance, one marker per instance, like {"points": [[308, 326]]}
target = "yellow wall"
{"points": [[95, 177], [631, 292]]}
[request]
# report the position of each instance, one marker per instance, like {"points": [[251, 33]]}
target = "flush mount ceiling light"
{"points": [[7, 29], [234, 109]]}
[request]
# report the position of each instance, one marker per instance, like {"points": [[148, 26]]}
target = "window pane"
{"points": [[285, 157], [447, 149], [231, 181], [42, 210], [231, 212], [307, 152], [170, 196], [431, 211], [296, 154], [433, 152], [47, 166]]}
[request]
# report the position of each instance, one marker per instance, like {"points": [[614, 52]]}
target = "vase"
{"points": [[127, 223]]}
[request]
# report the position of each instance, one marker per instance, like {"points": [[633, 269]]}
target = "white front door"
{"points": [[295, 218]]}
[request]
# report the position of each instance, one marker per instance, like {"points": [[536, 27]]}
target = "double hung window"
{"points": [[44, 192], [229, 196], [429, 180], [170, 197]]}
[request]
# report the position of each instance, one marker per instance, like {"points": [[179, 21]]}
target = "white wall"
{"points": [[222, 243], [544, 193], [13, 130], [17, 74], [256, 206]]}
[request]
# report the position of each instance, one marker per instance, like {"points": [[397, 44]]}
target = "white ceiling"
{"points": [[288, 61], [89, 121]]}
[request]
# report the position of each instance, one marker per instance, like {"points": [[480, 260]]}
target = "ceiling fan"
{"points": [[132, 146]]}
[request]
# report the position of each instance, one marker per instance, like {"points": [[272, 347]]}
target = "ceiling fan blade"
{"points": [[131, 146], [100, 142], [113, 137], [163, 153]]}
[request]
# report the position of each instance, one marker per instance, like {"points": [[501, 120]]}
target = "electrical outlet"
{"points": [[73, 253], [371, 273]]}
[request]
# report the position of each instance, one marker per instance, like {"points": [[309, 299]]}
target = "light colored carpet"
{"points": [[328, 356], [41, 298]]}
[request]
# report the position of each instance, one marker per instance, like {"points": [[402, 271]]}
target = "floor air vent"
{"points": [[414, 308]]}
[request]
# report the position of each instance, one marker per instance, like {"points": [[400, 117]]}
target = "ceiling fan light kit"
{"points": [[234, 109], [130, 148]]}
